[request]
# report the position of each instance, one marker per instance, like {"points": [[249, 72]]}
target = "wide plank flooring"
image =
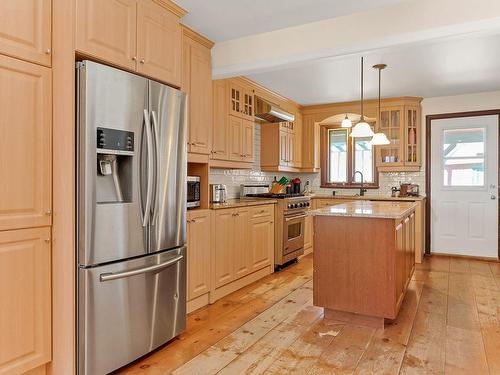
{"points": [[449, 323]]}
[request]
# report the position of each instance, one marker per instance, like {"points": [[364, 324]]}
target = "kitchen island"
{"points": [[363, 259]]}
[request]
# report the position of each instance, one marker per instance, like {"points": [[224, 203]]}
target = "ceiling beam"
{"points": [[398, 24]]}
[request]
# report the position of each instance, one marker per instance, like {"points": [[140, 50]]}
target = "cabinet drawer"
{"points": [[262, 211]]}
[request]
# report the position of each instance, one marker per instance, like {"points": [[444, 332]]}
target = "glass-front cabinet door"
{"points": [[391, 123], [412, 134]]}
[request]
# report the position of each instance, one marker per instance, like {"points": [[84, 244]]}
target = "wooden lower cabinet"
{"points": [[243, 247], [25, 295], [261, 240], [198, 262], [242, 259]]}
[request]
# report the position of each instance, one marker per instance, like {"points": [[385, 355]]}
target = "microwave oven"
{"points": [[193, 191]]}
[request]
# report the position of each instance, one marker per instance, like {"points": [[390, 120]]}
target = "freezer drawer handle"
{"points": [[113, 276]]}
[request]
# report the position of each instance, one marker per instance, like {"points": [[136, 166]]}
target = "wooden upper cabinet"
{"points": [[248, 139], [281, 147], [392, 124], [107, 30], [412, 136], [159, 43], [25, 292], [198, 268], [401, 124], [220, 132], [241, 101], [197, 83], [25, 30], [235, 138], [25, 144]]}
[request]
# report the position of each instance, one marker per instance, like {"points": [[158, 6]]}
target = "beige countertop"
{"points": [[367, 197], [367, 209], [233, 203]]}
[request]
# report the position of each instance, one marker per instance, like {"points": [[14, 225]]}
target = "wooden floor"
{"points": [[449, 323]]}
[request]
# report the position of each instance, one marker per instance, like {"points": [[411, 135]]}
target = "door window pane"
{"points": [[337, 141], [463, 157], [363, 159]]}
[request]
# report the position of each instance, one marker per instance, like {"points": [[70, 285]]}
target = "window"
{"points": [[463, 157], [342, 155]]}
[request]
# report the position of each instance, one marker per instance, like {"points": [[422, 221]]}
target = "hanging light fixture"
{"points": [[362, 129], [379, 139], [346, 123]]}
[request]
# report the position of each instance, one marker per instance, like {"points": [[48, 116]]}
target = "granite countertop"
{"points": [[367, 209], [367, 197], [232, 203]]}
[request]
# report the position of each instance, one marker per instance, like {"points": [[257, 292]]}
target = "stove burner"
{"points": [[275, 196]]}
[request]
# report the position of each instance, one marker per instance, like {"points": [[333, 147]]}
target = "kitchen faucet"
{"points": [[361, 190]]}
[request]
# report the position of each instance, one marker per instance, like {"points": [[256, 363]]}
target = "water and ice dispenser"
{"points": [[115, 153]]}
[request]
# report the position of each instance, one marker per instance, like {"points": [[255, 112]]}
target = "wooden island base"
{"points": [[363, 260]]}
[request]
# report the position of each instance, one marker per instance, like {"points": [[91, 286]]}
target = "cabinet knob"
{"points": [[134, 58], [142, 61], [48, 212], [47, 240], [47, 51]]}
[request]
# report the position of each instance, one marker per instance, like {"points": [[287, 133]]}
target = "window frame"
{"points": [[324, 161]]}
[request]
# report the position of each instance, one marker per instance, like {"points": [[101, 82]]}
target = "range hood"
{"points": [[267, 112]]}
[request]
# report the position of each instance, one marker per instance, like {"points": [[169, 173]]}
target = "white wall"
{"points": [[458, 103]]}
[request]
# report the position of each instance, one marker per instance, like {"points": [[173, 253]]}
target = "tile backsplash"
{"points": [[233, 178]]}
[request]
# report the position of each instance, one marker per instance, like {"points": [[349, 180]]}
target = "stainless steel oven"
{"points": [[293, 235]]}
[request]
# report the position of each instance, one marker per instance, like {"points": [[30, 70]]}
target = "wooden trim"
{"points": [[63, 191], [470, 257], [197, 158], [190, 33], [214, 163], [428, 163], [172, 7], [197, 303], [233, 286], [324, 163]]}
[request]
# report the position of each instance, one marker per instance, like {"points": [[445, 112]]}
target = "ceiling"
{"points": [[221, 20], [460, 65]]}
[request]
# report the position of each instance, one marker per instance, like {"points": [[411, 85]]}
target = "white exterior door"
{"points": [[464, 178]]}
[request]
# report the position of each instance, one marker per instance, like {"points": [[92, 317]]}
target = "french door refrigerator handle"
{"points": [[114, 276], [149, 191], [156, 131]]}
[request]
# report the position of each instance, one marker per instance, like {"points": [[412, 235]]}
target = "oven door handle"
{"points": [[290, 218], [113, 276]]}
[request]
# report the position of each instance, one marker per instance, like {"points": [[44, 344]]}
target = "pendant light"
{"points": [[346, 123], [362, 128], [379, 139]]}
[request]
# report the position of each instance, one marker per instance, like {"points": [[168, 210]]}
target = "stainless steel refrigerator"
{"points": [[131, 215]]}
